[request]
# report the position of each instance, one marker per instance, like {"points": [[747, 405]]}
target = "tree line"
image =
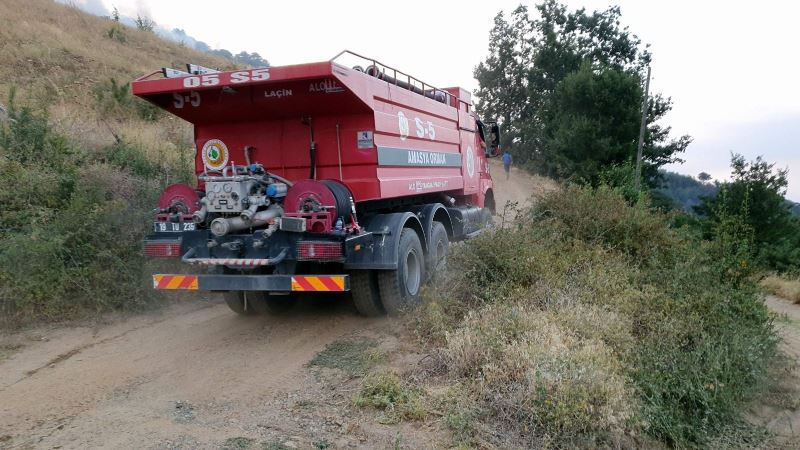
{"points": [[568, 89]]}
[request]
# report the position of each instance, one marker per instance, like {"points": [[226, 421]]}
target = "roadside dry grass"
{"points": [[783, 286], [396, 398], [590, 323]]}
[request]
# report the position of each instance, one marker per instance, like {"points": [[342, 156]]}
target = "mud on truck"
{"points": [[321, 177]]}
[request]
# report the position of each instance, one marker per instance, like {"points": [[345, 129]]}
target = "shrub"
{"points": [[115, 32], [126, 156], [67, 244], [589, 322], [29, 140], [116, 99], [144, 23]]}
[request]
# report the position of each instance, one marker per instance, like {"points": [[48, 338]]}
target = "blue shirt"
{"points": [[506, 159]]}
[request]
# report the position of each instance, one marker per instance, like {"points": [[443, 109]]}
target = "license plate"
{"points": [[173, 227]]}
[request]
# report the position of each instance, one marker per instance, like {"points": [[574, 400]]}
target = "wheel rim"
{"points": [[413, 273], [441, 256]]}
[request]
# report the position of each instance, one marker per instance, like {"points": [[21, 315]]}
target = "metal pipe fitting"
{"points": [[224, 225]]}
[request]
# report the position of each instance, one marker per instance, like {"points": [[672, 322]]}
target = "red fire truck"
{"points": [[321, 177]]}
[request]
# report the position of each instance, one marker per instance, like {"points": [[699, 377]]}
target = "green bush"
{"points": [[126, 156], [72, 225], [116, 99], [589, 322]]}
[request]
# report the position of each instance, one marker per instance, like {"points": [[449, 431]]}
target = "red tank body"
{"points": [[382, 140]]}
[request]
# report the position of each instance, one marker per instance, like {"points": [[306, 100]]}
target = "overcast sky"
{"points": [[731, 67]]}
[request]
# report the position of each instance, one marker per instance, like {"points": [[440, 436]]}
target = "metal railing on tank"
{"points": [[401, 79]]}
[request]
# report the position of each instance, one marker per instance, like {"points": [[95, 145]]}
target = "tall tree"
{"points": [[592, 123], [502, 94]]}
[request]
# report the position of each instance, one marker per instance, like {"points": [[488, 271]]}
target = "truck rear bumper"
{"points": [[269, 283]]}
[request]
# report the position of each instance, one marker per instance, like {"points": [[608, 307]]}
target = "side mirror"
{"points": [[493, 140]]}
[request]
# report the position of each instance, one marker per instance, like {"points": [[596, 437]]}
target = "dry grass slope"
{"points": [[55, 55], [82, 151], [589, 323]]}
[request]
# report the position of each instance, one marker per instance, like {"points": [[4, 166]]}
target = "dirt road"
{"points": [[521, 187], [779, 410], [194, 375]]}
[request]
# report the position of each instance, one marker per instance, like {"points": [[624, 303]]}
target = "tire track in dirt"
{"points": [[123, 388], [74, 351]]}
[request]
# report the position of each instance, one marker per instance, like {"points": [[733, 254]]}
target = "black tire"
{"points": [[438, 247], [265, 303], [235, 301], [366, 294], [400, 288], [257, 302]]}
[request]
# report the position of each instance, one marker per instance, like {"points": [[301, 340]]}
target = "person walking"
{"points": [[507, 164]]}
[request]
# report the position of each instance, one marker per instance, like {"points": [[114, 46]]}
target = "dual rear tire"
{"points": [[376, 293]]}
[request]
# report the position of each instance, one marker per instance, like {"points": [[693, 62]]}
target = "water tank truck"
{"points": [[320, 177]]}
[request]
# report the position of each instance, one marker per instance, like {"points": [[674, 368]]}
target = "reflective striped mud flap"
{"points": [[270, 283]]}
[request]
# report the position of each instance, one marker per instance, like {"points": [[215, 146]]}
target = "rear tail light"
{"points": [[319, 251], [162, 249]]}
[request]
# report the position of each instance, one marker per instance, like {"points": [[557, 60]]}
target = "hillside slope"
{"points": [[56, 56]]}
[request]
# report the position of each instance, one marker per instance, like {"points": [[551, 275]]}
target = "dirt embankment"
{"points": [[520, 187]]}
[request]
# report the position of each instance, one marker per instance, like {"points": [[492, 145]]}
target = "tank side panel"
{"points": [[417, 142]]}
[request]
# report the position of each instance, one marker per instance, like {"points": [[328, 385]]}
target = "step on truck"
{"points": [[318, 178]]}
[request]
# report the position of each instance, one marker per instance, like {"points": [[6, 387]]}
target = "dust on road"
{"points": [[521, 187], [191, 376]]}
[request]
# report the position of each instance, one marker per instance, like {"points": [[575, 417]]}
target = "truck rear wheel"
{"points": [[400, 288], [236, 302], [366, 294], [257, 302], [266, 303]]}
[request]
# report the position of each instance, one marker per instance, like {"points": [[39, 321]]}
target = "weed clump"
{"points": [[588, 322], [782, 286], [353, 357], [115, 99], [387, 392]]}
